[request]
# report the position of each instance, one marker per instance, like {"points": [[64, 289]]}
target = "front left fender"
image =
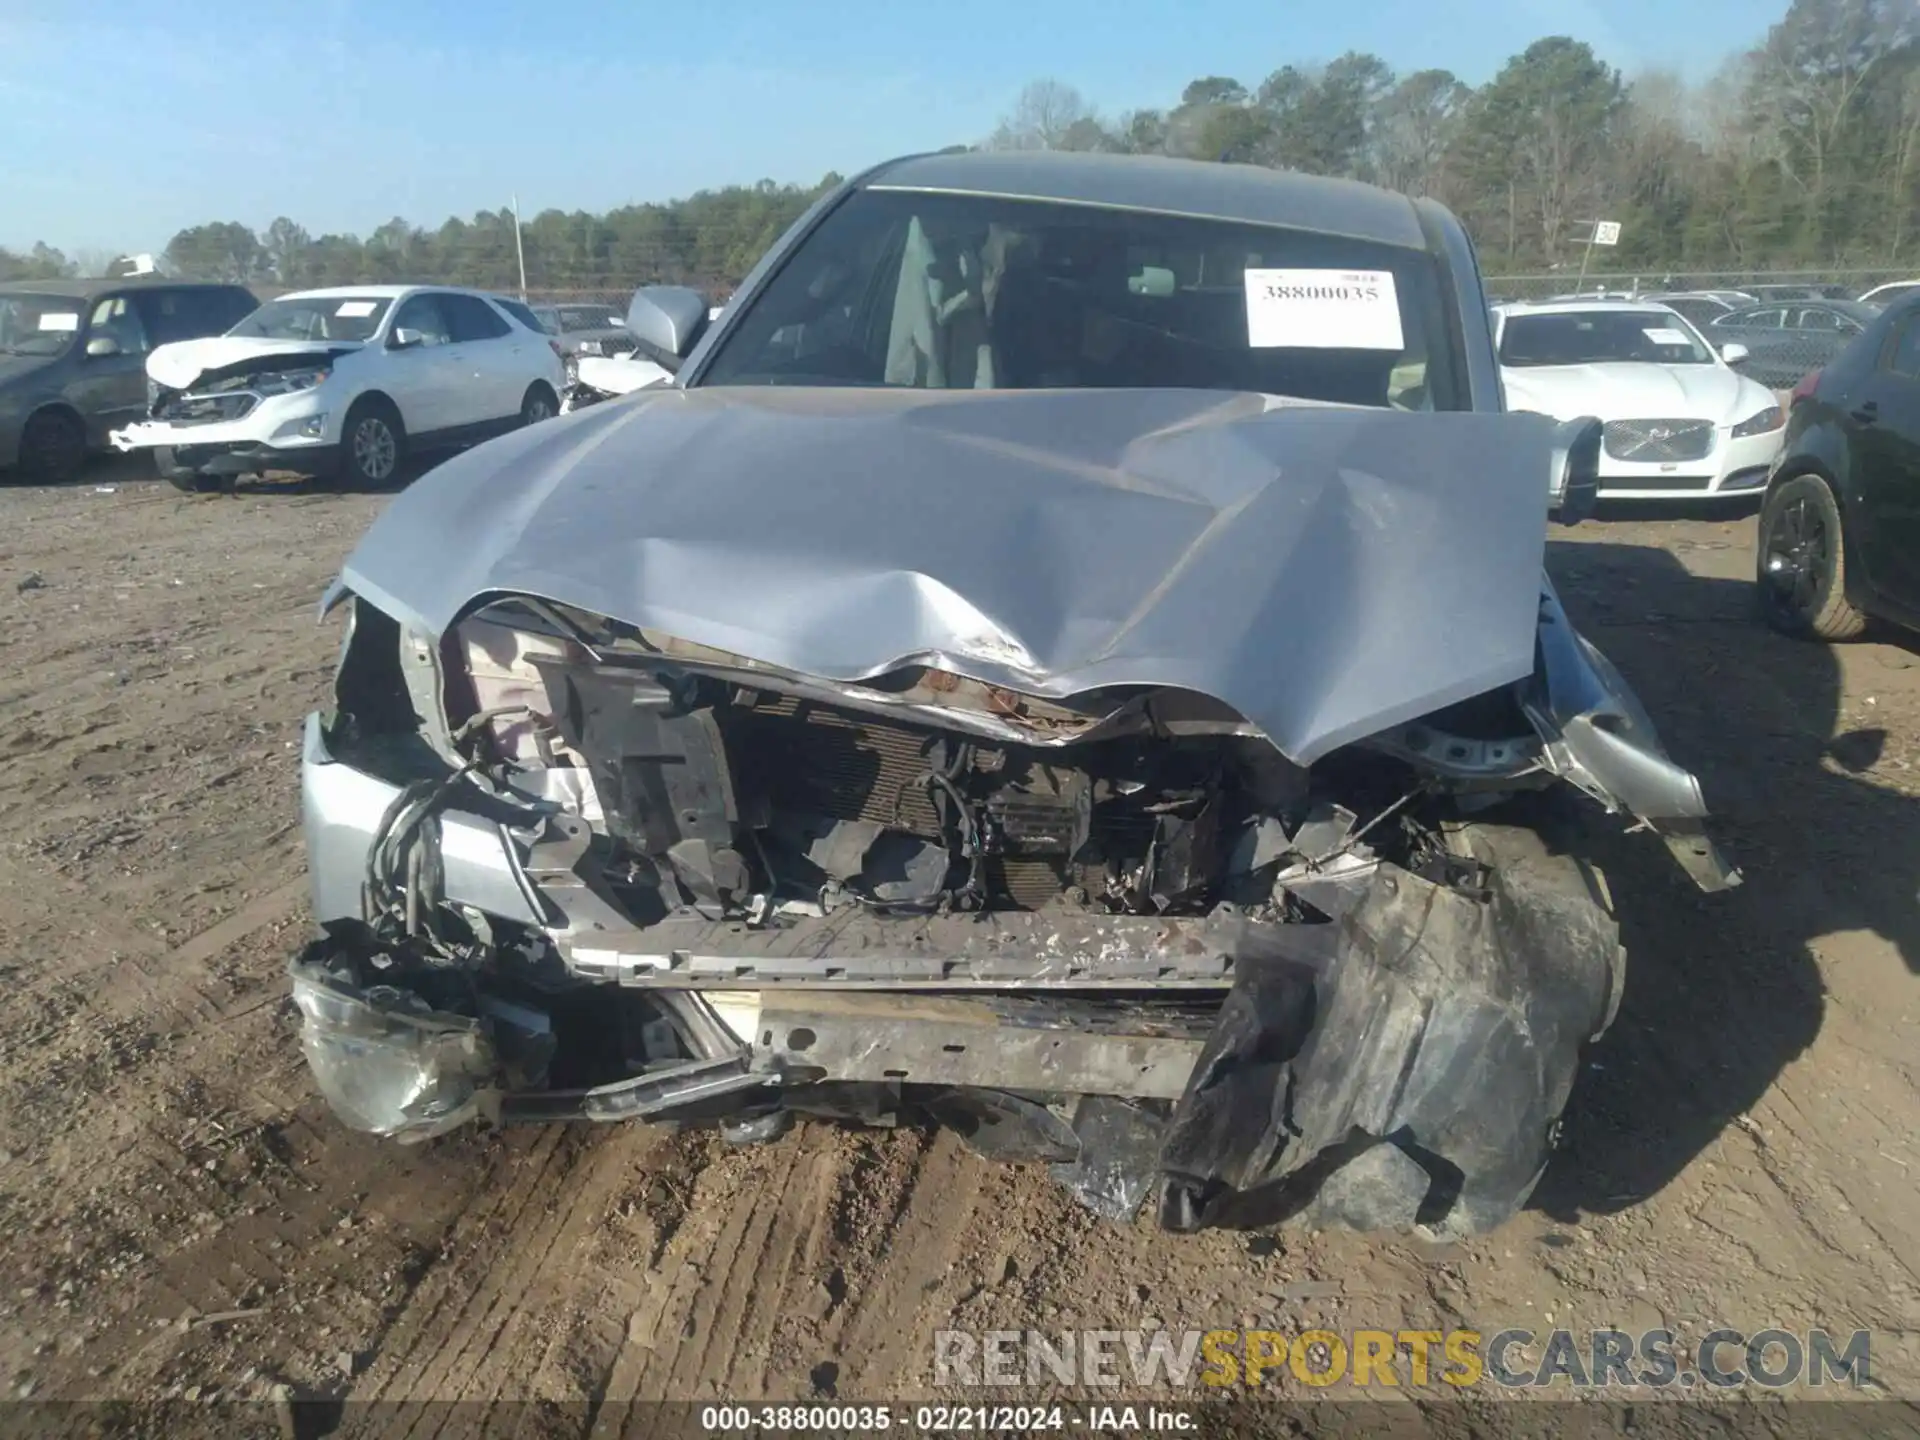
{"points": [[1596, 735]]}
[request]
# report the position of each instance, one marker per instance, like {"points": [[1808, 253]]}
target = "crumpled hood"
{"points": [[184, 362], [1634, 391], [1326, 571]]}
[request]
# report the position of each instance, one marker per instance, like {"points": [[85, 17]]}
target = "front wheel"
{"points": [[1800, 563], [372, 444], [539, 404], [53, 447]]}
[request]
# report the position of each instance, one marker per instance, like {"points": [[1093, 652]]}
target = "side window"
{"points": [[521, 313], [239, 304], [423, 313], [473, 319], [116, 319], [171, 315], [1811, 319], [1903, 356]]}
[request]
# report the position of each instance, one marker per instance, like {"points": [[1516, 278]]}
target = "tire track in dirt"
{"points": [[761, 1287], [876, 1341], [698, 1298], [486, 1324], [427, 1338]]}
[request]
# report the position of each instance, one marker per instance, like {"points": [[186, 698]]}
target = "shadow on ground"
{"points": [[1723, 991], [114, 471], [1733, 508]]}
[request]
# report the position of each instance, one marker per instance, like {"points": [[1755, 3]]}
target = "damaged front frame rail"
{"points": [[1327, 1087]]}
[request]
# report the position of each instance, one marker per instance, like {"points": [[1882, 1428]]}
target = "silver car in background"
{"points": [[585, 328]]}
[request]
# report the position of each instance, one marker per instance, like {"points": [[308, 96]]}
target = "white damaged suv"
{"points": [[342, 384]]}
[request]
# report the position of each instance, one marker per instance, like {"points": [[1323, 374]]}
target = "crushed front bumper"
{"points": [[1402, 1067], [297, 433]]}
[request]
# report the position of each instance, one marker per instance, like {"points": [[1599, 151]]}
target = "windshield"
{"points": [[941, 291], [316, 317], [1601, 337], [38, 324]]}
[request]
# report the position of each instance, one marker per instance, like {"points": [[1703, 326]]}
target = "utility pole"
{"points": [[519, 250]]}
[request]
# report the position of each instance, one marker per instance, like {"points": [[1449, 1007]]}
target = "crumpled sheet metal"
{"points": [[1326, 571], [1416, 1080]]}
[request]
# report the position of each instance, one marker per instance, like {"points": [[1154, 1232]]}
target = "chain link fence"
{"points": [[1833, 284]]}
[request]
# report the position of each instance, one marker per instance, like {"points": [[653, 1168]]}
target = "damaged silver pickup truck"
{"points": [[1068, 658]]}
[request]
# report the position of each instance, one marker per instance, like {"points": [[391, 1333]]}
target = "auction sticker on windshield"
{"points": [[59, 320], [357, 309], [1323, 310], [1666, 337]]}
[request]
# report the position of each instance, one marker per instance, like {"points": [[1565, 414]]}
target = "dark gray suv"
{"points": [[73, 360]]}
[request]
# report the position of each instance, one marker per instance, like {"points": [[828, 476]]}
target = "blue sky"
{"points": [[122, 120]]}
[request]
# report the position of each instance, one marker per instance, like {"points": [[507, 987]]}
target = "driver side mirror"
{"points": [[405, 338], [1576, 469], [667, 320], [101, 346], [1734, 353]]}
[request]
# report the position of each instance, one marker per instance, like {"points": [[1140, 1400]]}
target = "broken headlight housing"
{"points": [[387, 1062]]}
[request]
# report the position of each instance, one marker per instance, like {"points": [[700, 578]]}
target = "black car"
{"points": [[1837, 529], [1786, 341], [73, 359]]}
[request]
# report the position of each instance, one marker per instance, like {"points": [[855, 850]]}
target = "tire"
{"points": [[373, 443], [539, 403], [1800, 563], [53, 447]]}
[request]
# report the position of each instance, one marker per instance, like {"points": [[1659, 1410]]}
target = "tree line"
{"points": [[1804, 151], [1801, 152]]}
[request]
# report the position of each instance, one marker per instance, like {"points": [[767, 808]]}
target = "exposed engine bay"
{"points": [[1102, 934]]}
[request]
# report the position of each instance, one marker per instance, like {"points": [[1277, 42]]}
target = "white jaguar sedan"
{"points": [[1682, 423]]}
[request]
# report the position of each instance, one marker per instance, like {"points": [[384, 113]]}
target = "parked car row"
{"points": [[336, 383], [1702, 306]]}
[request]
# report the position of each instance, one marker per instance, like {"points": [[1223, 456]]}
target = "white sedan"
{"points": [[1681, 421]]}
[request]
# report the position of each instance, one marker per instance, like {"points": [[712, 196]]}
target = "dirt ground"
{"points": [[183, 1218]]}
